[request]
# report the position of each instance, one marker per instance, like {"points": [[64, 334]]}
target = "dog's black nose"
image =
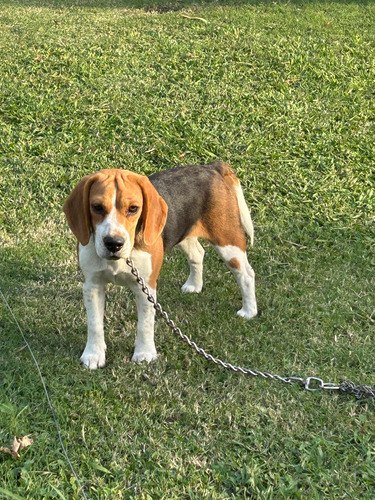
{"points": [[113, 243]]}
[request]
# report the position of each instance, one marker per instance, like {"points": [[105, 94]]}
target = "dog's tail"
{"points": [[232, 180]]}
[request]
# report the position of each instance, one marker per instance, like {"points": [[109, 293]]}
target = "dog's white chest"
{"points": [[112, 271]]}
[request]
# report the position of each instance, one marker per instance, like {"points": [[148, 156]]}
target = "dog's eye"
{"points": [[98, 209], [133, 209]]}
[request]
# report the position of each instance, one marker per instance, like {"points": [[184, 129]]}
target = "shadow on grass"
{"points": [[165, 6], [24, 268]]}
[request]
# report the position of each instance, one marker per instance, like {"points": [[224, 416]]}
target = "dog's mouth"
{"points": [[112, 250]]}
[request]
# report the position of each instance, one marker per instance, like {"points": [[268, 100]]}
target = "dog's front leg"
{"points": [[144, 348], [94, 354]]}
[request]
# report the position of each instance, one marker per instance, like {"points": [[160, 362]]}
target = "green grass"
{"points": [[283, 91]]}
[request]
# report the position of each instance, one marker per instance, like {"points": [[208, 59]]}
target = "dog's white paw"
{"points": [[189, 287], [140, 356], [247, 314], [93, 358]]}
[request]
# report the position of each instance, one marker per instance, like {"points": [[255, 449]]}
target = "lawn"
{"points": [[284, 92]]}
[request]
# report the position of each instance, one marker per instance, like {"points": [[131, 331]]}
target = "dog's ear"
{"points": [[77, 209], [154, 211]]}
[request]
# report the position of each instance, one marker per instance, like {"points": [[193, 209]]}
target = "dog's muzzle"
{"points": [[113, 244]]}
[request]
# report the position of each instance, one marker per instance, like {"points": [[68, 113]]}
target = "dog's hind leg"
{"points": [[236, 260], [195, 254]]}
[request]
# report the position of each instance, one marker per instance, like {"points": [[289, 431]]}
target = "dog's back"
{"points": [[193, 193]]}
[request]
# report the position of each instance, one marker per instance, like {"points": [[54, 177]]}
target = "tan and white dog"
{"points": [[116, 214]]}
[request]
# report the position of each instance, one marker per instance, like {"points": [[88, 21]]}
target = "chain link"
{"points": [[310, 383], [359, 391]]}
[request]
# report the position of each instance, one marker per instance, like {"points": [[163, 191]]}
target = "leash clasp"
{"points": [[310, 384]]}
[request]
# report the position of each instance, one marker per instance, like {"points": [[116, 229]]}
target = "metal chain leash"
{"points": [[310, 383]]}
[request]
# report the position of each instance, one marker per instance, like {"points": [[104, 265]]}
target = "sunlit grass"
{"points": [[284, 93]]}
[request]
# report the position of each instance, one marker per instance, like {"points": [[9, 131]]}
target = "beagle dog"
{"points": [[116, 214]]}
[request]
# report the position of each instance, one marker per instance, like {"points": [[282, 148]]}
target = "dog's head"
{"points": [[116, 206]]}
